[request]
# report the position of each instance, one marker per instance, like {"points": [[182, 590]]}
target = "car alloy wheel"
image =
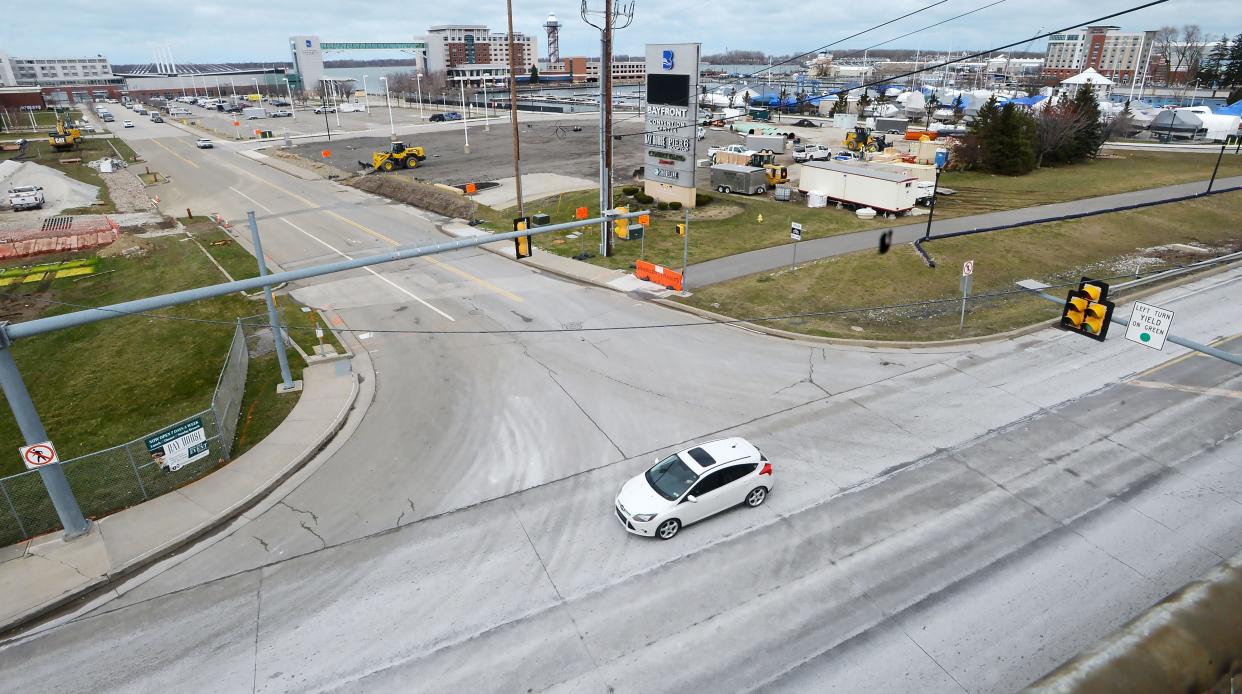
{"points": [[668, 529], [756, 496]]}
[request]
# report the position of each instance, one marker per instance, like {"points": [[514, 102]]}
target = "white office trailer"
{"points": [[858, 185]]}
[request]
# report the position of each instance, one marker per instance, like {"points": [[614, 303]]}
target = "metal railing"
{"points": [[115, 478]]}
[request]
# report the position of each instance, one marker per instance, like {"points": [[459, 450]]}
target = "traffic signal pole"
{"points": [[1188, 344], [31, 426]]}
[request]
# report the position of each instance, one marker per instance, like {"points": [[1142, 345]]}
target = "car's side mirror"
{"points": [[692, 499]]}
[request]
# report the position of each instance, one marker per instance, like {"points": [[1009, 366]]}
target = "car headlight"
{"points": [[644, 517]]}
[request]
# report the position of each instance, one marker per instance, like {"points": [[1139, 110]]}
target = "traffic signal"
{"points": [[621, 227], [1087, 310], [681, 229], [521, 244]]}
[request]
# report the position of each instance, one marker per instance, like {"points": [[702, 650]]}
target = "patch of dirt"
{"points": [[124, 242], [127, 192], [25, 307], [716, 210], [317, 165]]}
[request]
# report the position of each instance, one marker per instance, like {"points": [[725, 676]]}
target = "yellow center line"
{"points": [[364, 228], [1184, 357], [166, 149], [1197, 390]]}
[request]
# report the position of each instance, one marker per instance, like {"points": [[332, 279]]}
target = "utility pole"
{"points": [[616, 16], [513, 111]]}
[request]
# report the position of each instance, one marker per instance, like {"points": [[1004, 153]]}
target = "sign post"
{"points": [[1149, 325], [968, 275], [36, 455], [795, 233]]}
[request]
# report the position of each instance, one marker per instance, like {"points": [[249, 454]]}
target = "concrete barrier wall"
{"points": [[1189, 642]]}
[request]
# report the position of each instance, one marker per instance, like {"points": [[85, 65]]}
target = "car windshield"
{"points": [[670, 477]]}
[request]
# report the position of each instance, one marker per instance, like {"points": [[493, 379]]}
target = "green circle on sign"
{"points": [[1145, 337]]}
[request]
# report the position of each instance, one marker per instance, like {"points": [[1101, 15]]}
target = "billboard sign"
{"points": [[672, 113]]}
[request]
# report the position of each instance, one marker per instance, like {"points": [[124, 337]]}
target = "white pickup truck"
{"points": [[25, 197], [812, 153]]}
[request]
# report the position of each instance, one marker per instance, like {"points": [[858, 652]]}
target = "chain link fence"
{"points": [[115, 478]]}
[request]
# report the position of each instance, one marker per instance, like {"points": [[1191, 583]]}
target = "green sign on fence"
{"points": [[174, 448]]}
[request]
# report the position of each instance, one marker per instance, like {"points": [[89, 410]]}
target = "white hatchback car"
{"points": [[691, 485], [128, 124]]}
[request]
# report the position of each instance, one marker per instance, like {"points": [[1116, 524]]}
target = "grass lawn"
{"points": [[1101, 247], [1117, 172], [726, 226], [729, 225], [103, 384]]}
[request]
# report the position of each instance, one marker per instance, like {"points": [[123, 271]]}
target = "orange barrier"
{"points": [[917, 135], [659, 274]]}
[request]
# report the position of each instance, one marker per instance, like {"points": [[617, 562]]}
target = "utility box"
{"points": [[733, 178], [540, 220]]}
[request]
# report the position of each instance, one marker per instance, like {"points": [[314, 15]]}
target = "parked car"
{"points": [[736, 149], [26, 197], [806, 123], [692, 485], [155, 118], [441, 117], [281, 114], [812, 153], [280, 102], [127, 124], [325, 109], [203, 143]]}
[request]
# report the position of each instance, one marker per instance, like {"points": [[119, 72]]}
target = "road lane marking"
{"points": [[166, 149], [364, 228], [1184, 357], [1197, 390], [332, 248]]}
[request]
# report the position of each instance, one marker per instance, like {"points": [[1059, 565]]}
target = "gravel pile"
{"points": [[127, 192]]}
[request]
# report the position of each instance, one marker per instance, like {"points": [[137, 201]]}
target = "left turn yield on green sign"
{"points": [[38, 455]]}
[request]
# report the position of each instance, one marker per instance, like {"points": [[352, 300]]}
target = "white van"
{"points": [[349, 107]]}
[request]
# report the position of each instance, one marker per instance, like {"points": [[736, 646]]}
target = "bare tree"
{"points": [[1055, 126], [1188, 53], [1165, 44]]}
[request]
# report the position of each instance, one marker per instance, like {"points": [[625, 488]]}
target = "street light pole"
{"points": [[234, 87], [292, 109], [366, 95], [336, 108], [388, 102], [1220, 156], [487, 125], [465, 126], [418, 80], [931, 210], [256, 87]]}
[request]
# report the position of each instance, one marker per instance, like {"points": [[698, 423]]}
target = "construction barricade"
{"points": [[659, 274]]}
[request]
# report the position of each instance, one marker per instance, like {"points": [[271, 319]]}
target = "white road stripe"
{"points": [[396, 286]]}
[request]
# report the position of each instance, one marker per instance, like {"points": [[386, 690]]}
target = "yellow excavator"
{"points": [[64, 138], [398, 156]]}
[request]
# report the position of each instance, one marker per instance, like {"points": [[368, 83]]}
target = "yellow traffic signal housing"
{"points": [[621, 227], [1087, 310], [681, 229], [521, 244]]}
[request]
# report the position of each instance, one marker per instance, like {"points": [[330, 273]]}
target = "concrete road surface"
{"points": [[943, 519]]}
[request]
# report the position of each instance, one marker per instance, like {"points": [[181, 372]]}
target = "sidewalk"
{"points": [[41, 574], [764, 259], [561, 266]]}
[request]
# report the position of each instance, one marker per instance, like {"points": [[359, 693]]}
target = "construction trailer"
{"points": [[734, 178], [858, 185]]}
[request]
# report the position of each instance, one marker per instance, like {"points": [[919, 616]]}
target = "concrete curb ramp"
{"points": [[45, 573]]}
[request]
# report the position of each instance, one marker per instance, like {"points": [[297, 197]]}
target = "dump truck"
{"points": [[858, 185], [398, 156], [747, 180]]}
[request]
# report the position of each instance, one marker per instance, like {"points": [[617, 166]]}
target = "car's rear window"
{"points": [[702, 457], [670, 478]]}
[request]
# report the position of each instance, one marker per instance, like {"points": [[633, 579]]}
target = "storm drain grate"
{"points": [[57, 223]]}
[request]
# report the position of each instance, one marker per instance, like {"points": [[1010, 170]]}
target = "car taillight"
{"points": [[767, 469]]}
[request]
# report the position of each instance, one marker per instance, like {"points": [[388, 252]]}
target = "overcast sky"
{"points": [[231, 30]]}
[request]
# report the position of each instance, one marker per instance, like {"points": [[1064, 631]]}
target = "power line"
{"points": [[937, 66], [656, 326]]}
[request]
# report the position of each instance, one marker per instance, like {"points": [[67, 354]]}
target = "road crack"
{"points": [[298, 510], [311, 530], [552, 375], [262, 542]]}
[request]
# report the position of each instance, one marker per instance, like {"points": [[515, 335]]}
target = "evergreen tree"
{"points": [[979, 134], [1232, 73], [1010, 148], [1087, 141], [1213, 70], [534, 75]]}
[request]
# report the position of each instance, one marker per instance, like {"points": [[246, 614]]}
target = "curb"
{"points": [[157, 553]]}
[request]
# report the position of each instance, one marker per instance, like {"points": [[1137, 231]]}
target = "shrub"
{"points": [[629, 190], [701, 199], [674, 205], [662, 206], [644, 198]]}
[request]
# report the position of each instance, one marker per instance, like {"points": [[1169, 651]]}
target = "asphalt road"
{"points": [[944, 519]]}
